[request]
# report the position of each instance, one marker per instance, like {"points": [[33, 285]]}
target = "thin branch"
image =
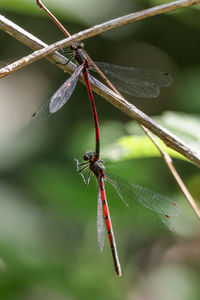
{"points": [[169, 162], [55, 20], [129, 109], [64, 30], [97, 29], [35, 43], [167, 159], [133, 112], [32, 42]]}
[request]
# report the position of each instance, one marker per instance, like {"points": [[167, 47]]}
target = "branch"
{"points": [[95, 30], [167, 159], [32, 42], [169, 162], [129, 109], [133, 112]]}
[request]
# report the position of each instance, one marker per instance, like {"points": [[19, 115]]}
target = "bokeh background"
{"points": [[48, 244]]}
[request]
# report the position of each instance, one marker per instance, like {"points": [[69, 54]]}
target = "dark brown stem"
{"points": [[42, 6]]}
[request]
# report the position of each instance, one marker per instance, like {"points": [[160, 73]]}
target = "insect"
{"points": [[63, 94], [148, 203], [136, 82], [132, 81]]}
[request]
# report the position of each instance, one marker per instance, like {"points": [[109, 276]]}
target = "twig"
{"points": [[35, 43], [132, 111], [32, 42], [167, 159], [64, 30], [97, 29], [166, 136], [169, 162], [55, 20]]}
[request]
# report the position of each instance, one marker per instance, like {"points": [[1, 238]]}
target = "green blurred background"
{"points": [[48, 244]]}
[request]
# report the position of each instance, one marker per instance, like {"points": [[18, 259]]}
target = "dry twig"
{"points": [[35, 43], [168, 138], [97, 29]]}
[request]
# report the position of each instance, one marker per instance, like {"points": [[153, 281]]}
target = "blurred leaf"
{"points": [[129, 147], [185, 126], [140, 146]]}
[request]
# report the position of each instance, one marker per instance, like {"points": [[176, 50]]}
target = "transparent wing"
{"points": [[136, 82], [41, 114], [146, 203], [59, 98], [100, 221], [63, 94]]}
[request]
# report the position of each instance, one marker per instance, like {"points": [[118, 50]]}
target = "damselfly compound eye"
{"points": [[86, 157]]}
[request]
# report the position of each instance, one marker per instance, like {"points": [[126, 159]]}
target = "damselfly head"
{"points": [[77, 45], [88, 156]]}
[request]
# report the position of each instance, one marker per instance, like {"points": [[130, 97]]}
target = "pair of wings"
{"points": [[148, 206], [136, 82]]}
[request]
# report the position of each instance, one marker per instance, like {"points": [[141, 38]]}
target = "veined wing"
{"points": [[59, 98], [63, 94], [136, 82], [42, 113], [100, 221], [146, 203]]}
